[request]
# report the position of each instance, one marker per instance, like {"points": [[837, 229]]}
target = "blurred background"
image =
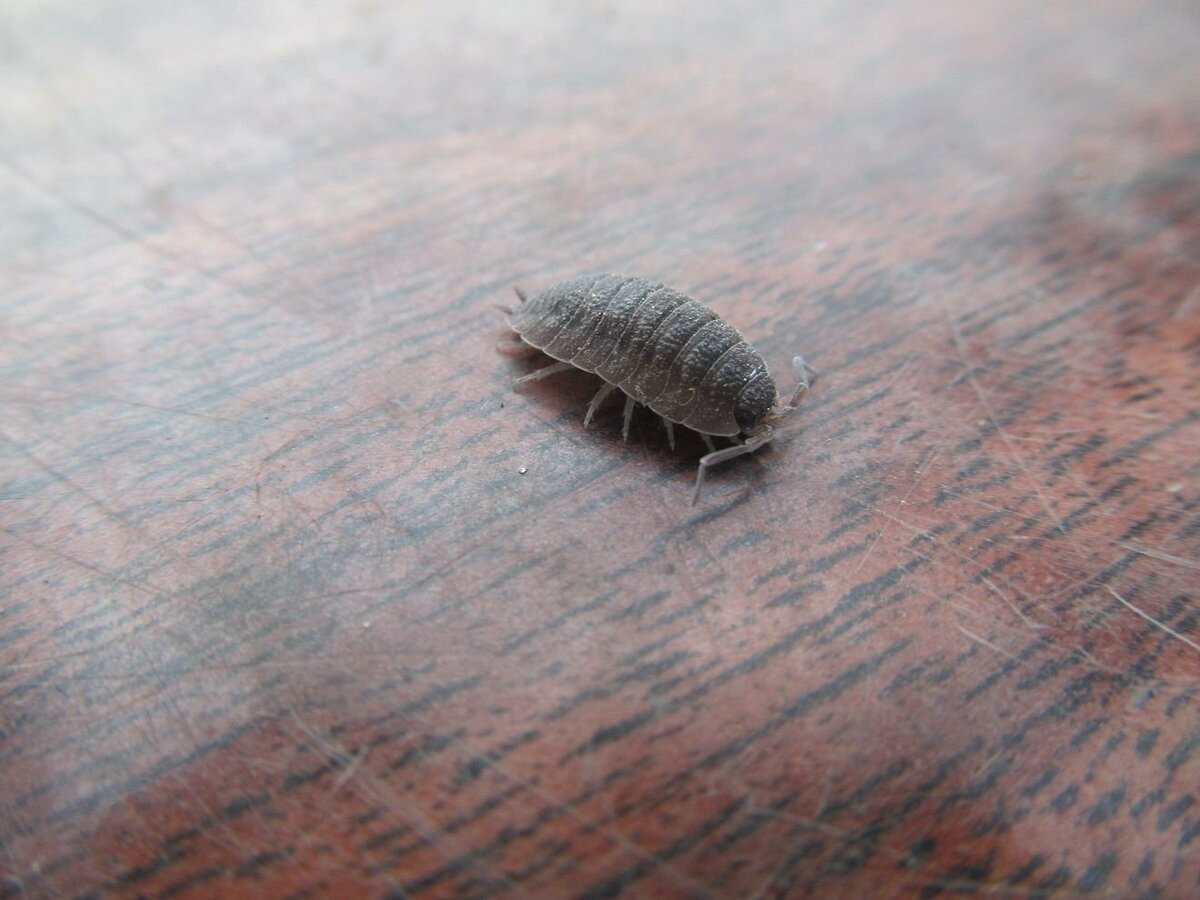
{"points": [[299, 598]]}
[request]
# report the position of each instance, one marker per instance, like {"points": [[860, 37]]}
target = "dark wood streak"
{"points": [[279, 613]]}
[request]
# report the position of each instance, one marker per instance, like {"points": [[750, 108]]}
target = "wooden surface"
{"points": [[283, 617]]}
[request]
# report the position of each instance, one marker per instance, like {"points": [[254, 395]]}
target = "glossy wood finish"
{"points": [[300, 599]]}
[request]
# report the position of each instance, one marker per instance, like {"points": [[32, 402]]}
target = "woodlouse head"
{"points": [[778, 413], [755, 405]]}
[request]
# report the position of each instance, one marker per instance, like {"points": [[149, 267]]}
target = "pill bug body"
{"points": [[662, 349]]}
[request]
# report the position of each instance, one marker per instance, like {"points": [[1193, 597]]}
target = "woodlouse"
{"points": [[662, 349]]}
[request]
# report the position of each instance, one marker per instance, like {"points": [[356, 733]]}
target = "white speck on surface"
{"points": [[522, 470], [366, 623], [818, 246]]}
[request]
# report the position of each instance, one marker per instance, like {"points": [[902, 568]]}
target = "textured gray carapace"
{"points": [[662, 349]]}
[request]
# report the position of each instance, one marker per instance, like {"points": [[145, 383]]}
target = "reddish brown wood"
{"points": [[282, 616]]}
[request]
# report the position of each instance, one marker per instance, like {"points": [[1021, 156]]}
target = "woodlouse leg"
{"points": [[712, 448], [545, 372], [719, 456], [517, 348], [629, 405], [670, 432], [505, 308], [601, 394]]}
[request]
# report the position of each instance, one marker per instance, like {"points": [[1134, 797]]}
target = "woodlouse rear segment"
{"points": [[662, 349]]}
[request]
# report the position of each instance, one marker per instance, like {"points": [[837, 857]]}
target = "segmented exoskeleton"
{"points": [[662, 349]]}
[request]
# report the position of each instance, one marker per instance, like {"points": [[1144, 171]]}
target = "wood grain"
{"points": [[281, 614]]}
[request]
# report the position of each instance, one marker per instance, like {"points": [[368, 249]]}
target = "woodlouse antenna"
{"points": [[803, 371], [520, 293], [807, 375], [719, 456]]}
